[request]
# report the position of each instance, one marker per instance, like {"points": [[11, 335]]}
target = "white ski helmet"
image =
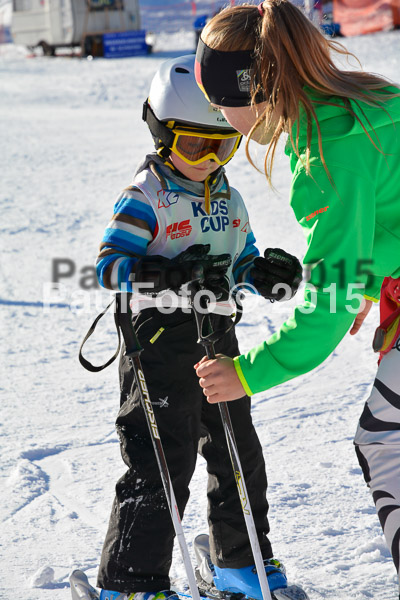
{"points": [[175, 96], [176, 101]]}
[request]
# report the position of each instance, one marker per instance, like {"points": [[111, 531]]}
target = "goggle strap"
{"points": [[163, 152], [157, 129], [207, 200]]}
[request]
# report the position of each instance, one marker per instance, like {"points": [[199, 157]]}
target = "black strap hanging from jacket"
{"points": [[84, 362], [123, 323]]}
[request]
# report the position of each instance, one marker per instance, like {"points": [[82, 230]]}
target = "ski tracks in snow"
{"points": [[56, 494], [74, 133]]}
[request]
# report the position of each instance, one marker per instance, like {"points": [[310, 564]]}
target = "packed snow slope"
{"points": [[72, 135]]}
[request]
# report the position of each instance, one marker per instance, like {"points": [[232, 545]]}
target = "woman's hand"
{"points": [[359, 320], [219, 379]]}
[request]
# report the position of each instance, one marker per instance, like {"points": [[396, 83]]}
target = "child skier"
{"points": [[180, 211]]}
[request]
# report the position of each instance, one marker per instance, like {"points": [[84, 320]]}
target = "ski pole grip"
{"points": [[198, 272]]}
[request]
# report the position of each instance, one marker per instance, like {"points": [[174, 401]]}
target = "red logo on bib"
{"points": [[179, 230]]}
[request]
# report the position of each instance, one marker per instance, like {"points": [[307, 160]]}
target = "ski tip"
{"points": [[292, 592], [80, 586]]}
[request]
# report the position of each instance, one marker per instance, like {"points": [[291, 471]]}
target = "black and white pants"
{"points": [[377, 443], [138, 547]]}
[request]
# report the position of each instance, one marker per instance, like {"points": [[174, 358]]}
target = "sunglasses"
{"points": [[196, 147]]}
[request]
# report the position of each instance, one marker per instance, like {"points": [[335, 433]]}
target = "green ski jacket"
{"points": [[351, 221]]}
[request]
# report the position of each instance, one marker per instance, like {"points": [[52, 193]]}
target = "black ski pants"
{"points": [[138, 547]]}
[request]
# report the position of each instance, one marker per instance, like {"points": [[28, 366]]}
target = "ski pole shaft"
{"points": [[244, 499], [133, 351], [243, 495], [234, 455]]}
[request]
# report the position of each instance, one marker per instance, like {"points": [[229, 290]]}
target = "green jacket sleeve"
{"points": [[338, 222]]}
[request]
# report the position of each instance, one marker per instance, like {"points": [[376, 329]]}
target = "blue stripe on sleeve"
{"points": [[101, 267], [129, 242], [138, 209], [249, 250], [124, 243], [124, 270]]}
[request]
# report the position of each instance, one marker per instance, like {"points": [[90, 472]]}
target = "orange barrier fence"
{"points": [[357, 17]]}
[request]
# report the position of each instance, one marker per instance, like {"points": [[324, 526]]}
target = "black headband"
{"points": [[225, 77]]}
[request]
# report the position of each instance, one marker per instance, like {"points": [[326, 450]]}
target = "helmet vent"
{"points": [[181, 70]]}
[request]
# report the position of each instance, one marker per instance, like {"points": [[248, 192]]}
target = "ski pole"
{"points": [[205, 338], [133, 351]]}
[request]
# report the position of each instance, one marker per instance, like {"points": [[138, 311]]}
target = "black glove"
{"points": [[276, 267], [194, 262], [211, 271]]}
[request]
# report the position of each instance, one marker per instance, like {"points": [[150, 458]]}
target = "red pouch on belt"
{"points": [[389, 330]]}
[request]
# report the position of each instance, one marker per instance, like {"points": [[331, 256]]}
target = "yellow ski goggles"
{"points": [[195, 147]]}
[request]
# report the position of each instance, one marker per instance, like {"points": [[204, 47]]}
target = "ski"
{"points": [[210, 592], [82, 590], [213, 594], [292, 592]]}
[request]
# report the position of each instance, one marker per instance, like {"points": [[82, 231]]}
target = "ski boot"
{"points": [[231, 584], [164, 595], [82, 590]]}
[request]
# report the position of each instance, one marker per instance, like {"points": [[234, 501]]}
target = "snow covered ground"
{"points": [[72, 134]]}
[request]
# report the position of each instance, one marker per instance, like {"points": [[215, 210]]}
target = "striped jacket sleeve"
{"points": [[125, 239], [244, 262]]}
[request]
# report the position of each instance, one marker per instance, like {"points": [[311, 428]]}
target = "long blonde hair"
{"points": [[290, 53]]}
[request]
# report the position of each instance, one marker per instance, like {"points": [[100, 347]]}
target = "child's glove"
{"points": [[165, 273], [276, 267]]}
